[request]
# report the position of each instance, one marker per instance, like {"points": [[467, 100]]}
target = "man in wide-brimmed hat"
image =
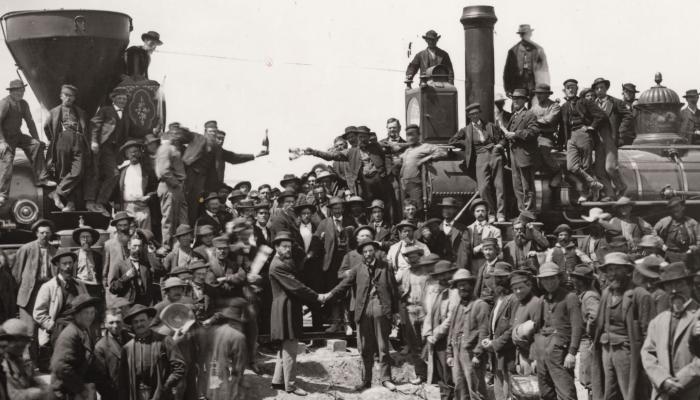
{"points": [[151, 364], [109, 130], [464, 353], [610, 136], [406, 234], [71, 366], [522, 132], [213, 214], [14, 109], [89, 262], [526, 63], [483, 145], [621, 325], [586, 287], [548, 113], [646, 274], [136, 186], [670, 350], [690, 116], [559, 335], [138, 58], [680, 233], [429, 57], [19, 378], [633, 227], [376, 307]]}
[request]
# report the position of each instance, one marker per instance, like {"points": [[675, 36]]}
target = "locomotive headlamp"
{"points": [[25, 212]]}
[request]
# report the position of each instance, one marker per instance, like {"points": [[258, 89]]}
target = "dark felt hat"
{"points": [[412, 127], [153, 35], [583, 271], [562, 228], [282, 236], [406, 224], [183, 229], [286, 193], [520, 93], [245, 204], [600, 80], [489, 241], [368, 227], [93, 232], [43, 222], [236, 194], [502, 268], [543, 88], [448, 202], [131, 143], [524, 28], [372, 243], [443, 267], [212, 196], [630, 87], [81, 302], [520, 275], [348, 131], [473, 106], [432, 221], [262, 205], [288, 178], [120, 216], [63, 253], [242, 183], [335, 201], [304, 205], [691, 93], [427, 260], [431, 34], [478, 202], [16, 84], [137, 309], [674, 272], [211, 124], [363, 129]]}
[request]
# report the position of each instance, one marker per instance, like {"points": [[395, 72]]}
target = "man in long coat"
{"points": [[429, 57], [132, 278], [108, 351], [526, 63], [286, 318]]}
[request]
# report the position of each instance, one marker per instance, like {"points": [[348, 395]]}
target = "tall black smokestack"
{"points": [[478, 24]]}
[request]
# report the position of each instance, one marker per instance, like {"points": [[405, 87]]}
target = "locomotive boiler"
{"points": [[660, 162]]}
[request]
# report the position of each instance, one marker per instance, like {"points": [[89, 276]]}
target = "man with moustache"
{"points": [[680, 233], [620, 329], [108, 354], [526, 312], [483, 289], [133, 278], [479, 230], [286, 221], [380, 224], [137, 184], [633, 227], [468, 329], [521, 252], [670, 351], [429, 57], [393, 145], [558, 334]]}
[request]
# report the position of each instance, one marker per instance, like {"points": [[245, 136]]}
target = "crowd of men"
{"points": [[194, 271]]}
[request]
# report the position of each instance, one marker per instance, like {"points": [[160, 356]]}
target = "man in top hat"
{"points": [[72, 372], [680, 233], [376, 305], [335, 234], [410, 162], [670, 351], [522, 284], [213, 214], [585, 285], [133, 278], [138, 58], [558, 335], [429, 57], [620, 328], [528, 240], [14, 109], [137, 184], [468, 328], [68, 156], [498, 343], [53, 299], [548, 113], [151, 363], [481, 229], [19, 379], [628, 132], [609, 138], [170, 170], [483, 158], [88, 264], [633, 227], [690, 117], [580, 119], [526, 63], [522, 132], [366, 175], [31, 269], [109, 130]]}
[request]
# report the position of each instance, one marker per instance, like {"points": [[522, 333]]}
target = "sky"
{"points": [[305, 69]]}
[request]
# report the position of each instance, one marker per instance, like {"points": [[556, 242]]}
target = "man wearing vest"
{"points": [[479, 230]]}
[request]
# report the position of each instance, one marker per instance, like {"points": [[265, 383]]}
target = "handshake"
{"points": [[324, 297]]}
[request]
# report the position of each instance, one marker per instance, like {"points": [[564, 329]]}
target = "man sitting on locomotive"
{"points": [[14, 109]]}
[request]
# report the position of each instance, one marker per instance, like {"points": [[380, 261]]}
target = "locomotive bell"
{"points": [[658, 120]]}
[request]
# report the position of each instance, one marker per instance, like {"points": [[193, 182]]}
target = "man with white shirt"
{"points": [[213, 214], [137, 183], [261, 233], [479, 230], [88, 267], [306, 226], [395, 258], [109, 130], [132, 278]]}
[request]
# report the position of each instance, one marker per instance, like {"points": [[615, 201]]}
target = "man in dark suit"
{"points": [[429, 57], [457, 242], [108, 351], [132, 278], [221, 156], [321, 199], [521, 252], [580, 119], [483, 145], [213, 215], [366, 175], [286, 221], [335, 232], [376, 305], [109, 130], [690, 116], [522, 132], [526, 64], [67, 157], [286, 318], [381, 226], [606, 162], [31, 269]]}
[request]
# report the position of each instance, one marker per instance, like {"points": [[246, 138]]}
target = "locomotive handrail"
{"points": [[643, 203]]}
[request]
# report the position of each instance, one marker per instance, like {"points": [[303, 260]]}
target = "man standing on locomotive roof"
{"points": [[580, 119], [606, 163], [109, 130], [522, 133], [14, 109], [548, 113], [429, 57], [526, 64], [66, 129], [138, 58], [483, 155]]}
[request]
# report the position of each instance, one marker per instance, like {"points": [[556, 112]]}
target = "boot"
{"points": [[335, 327], [56, 200]]}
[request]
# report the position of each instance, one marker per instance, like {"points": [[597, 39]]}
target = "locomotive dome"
{"points": [[659, 118]]}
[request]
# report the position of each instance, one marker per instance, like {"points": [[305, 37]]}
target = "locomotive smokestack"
{"points": [[478, 24]]}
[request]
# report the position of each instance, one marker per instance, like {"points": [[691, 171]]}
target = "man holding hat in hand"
{"points": [[14, 109], [670, 351], [429, 57], [109, 130], [468, 330], [483, 144], [621, 326]]}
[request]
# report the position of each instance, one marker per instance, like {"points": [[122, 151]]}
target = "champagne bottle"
{"points": [[266, 142]]}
